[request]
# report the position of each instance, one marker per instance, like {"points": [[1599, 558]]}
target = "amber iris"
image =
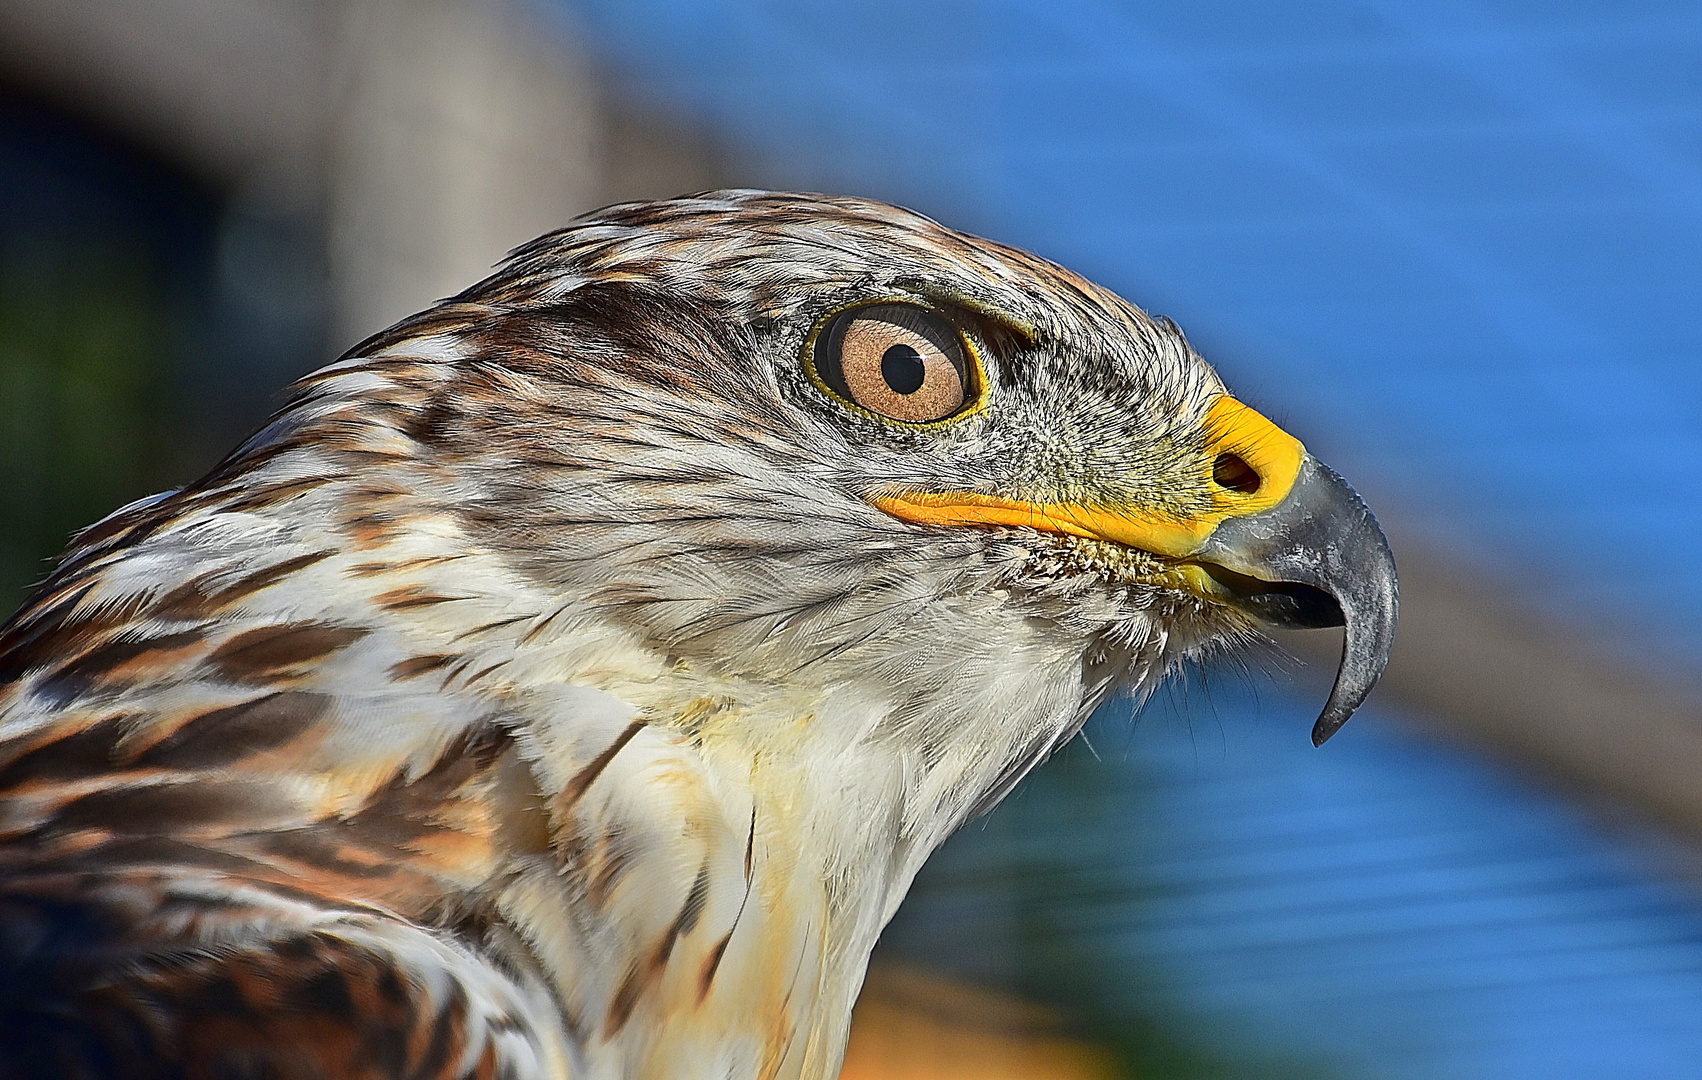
{"points": [[900, 361]]}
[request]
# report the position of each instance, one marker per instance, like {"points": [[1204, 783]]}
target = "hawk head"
{"points": [[822, 440], [611, 643]]}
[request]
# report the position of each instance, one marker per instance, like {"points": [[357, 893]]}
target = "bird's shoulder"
{"points": [[286, 759]]}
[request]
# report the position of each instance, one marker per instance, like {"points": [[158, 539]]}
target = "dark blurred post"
{"points": [[204, 199]]}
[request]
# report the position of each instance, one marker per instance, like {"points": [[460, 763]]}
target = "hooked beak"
{"points": [[1285, 540], [1317, 558]]}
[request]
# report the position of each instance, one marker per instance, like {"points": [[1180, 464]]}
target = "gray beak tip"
{"points": [[1328, 724]]}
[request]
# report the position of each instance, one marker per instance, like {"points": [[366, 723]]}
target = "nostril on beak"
{"points": [[1230, 471]]}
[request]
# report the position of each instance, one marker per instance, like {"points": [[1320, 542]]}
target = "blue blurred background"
{"points": [[1456, 248]]}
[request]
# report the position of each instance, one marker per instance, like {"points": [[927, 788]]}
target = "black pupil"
{"points": [[903, 370]]}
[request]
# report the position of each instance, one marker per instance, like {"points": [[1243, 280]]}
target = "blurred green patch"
{"points": [[1032, 900], [1066, 908], [85, 350]]}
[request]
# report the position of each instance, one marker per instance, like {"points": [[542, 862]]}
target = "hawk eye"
{"points": [[899, 361]]}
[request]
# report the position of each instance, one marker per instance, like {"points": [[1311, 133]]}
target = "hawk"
{"points": [[570, 680]]}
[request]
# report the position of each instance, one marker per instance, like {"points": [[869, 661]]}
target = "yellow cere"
{"points": [[1232, 428]]}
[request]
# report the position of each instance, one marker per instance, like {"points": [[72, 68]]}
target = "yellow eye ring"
{"points": [[904, 360]]}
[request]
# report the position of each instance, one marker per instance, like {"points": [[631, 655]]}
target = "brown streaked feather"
{"points": [[268, 653], [420, 665], [315, 1005], [270, 495], [712, 964], [200, 598], [119, 661], [412, 596], [587, 776], [170, 808], [57, 627], [227, 735]]}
